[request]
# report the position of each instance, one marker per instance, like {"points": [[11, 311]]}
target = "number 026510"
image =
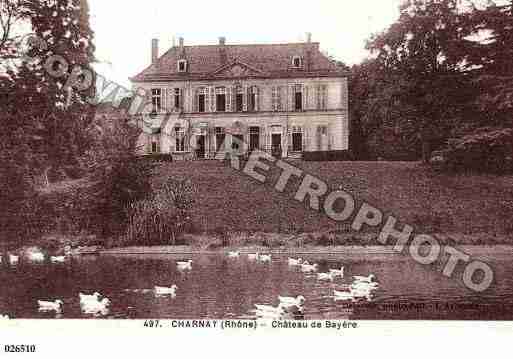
{"points": [[20, 348]]}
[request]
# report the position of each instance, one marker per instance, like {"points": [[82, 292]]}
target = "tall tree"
{"points": [[424, 52]]}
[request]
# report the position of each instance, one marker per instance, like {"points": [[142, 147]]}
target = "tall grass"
{"points": [[161, 219]]}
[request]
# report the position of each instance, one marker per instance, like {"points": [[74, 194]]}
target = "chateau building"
{"points": [[207, 100]]}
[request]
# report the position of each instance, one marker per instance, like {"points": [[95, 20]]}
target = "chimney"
{"points": [[222, 50], [309, 37], [180, 42], [154, 51]]}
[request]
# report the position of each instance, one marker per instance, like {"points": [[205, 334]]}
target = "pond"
{"points": [[219, 287]]}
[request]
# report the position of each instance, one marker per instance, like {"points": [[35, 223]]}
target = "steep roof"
{"points": [[261, 61]]}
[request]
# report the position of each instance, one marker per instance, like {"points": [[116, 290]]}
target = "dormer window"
{"points": [[182, 65], [297, 62]]}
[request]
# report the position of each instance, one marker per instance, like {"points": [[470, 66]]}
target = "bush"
{"points": [[160, 220], [319, 156], [484, 150], [116, 175], [158, 157]]}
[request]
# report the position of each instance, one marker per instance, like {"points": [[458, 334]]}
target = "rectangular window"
{"points": [[220, 102], [177, 98], [322, 97], [180, 139], [220, 138], [254, 138], [201, 103], [297, 142], [239, 102], [154, 147], [298, 101], [156, 100]]}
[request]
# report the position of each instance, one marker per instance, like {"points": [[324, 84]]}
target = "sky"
{"points": [[124, 28]]}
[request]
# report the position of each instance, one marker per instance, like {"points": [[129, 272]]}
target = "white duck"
{"points": [[325, 276], [268, 310], [339, 295], [370, 279], [264, 258], [233, 254], [13, 259], [95, 306], [307, 268], [84, 298], [295, 262], [4, 317], [36, 256], [187, 265], [166, 290], [337, 272], [291, 301], [57, 259], [55, 306], [253, 256]]}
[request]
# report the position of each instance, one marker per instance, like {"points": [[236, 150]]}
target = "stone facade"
{"points": [[204, 101]]}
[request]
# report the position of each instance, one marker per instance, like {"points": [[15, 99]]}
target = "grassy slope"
{"points": [[429, 201]]}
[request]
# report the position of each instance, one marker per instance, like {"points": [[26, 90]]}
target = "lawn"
{"points": [[430, 201]]}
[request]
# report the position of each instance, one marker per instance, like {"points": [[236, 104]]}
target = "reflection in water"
{"points": [[220, 287]]}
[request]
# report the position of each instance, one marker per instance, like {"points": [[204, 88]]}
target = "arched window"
{"points": [[297, 62]]}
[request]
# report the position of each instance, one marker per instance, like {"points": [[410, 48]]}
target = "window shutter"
{"points": [[228, 94], [206, 92], [292, 94], [257, 98], [234, 98], [195, 100], [182, 102], [245, 99], [305, 97], [289, 140], [212, 99], [279, 105]]}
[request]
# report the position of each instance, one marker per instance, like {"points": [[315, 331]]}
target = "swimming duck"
{"points": [[264, 258], [94, 306], [295, 262], [339, 295], [337, 272], [4, 317], [371, 278], [57, 259], [55, 306], [13, 259], [253, 256], [309, 267], [187, 265], [166, 290], [233, 254], [268, 311], [36, 256], [290, 301], [325, 276], [84, 298]]}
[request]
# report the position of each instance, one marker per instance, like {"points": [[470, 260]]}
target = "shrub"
{"points": [[116, 175], [162, 218], [484, 150]]}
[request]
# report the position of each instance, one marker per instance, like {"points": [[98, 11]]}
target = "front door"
{"points": [[200, 146], [276, 145]]}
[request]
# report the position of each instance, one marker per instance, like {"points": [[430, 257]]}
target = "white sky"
{"points": [[124, 28]]}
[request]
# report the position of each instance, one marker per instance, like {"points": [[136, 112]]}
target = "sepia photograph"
{"points": [[280, 165]]}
